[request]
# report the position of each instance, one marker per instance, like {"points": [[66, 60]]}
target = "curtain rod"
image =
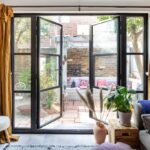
{"points": [[80, 6]]}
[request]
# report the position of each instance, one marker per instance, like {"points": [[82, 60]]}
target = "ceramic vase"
{"points": [[125, 118], [100, 132]]}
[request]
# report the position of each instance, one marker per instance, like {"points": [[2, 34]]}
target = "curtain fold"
{"points": [[6, 13]]}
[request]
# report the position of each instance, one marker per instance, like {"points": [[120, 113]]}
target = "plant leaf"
{"points": [[90, 99], [82, 98], [101, 99]]}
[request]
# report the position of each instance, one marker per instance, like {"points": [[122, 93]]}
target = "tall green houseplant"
{"points": [[120, 100]]}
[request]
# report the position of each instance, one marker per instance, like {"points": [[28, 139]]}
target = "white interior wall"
{"points": [[79, 2], [121, 3], [82, 10]]}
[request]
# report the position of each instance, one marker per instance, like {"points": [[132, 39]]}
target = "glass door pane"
{"points": [[104, 52], [104, 61], [21, 73], [136, 62], [105, 70], [50, 47], [49, 71]]}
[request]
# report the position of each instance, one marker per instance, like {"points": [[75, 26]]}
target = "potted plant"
{"points": [[120, 100]]}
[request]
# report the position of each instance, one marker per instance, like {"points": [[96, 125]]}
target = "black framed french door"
{"points": [[31, 60], [104, 56], [118, 55], [49, 71], [36, 72], [104, 53]]}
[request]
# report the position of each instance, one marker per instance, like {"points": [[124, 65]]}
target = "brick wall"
{"points": [[71, 27], [106, 66], [79, 66]]}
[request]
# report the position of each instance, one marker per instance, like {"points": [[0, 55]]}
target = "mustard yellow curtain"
{"points": [[6, 13]]}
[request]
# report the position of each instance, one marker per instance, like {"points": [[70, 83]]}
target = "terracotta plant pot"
{"points": [[125, 118], [100, 132]]}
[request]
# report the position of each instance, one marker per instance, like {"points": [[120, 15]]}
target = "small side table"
{"points": [[119, 133]]}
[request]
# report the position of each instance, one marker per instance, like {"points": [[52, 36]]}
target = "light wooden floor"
{"points": [[54, 139]]}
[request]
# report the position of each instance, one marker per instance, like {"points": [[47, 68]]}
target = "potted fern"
{"points": [[120, 100]]}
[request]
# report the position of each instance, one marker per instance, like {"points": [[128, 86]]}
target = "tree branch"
{"points": [[139, 33]]}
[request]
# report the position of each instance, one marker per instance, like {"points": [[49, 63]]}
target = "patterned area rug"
{"points": [[43, 147]]}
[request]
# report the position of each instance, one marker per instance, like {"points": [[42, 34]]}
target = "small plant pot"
{"points": [[125, 118]]}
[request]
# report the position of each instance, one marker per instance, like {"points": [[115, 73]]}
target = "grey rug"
{"points": [[51, 147]]}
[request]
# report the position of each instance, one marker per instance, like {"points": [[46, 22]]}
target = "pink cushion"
{"points": [[101, 83], [83, 83]]}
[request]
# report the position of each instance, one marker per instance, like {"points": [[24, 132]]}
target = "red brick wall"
{"points": [[71, 27]]}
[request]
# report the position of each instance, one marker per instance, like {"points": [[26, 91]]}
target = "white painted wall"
{"points": [[79, 2], [60, 10]]}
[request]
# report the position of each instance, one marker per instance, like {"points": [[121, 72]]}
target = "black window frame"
{"points": [[122, 55], [34, 62], [13, 54], [59, 57]]}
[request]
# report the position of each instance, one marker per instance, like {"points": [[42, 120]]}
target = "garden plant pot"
{"points": [[100, 132], [125, 118]]}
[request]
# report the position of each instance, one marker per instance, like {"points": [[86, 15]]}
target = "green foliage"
{"points": [[120, 99], [25, 77], [45, 26], [22, 31], [103, 18], [47, 79], [134, 25], [49, 99]]}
